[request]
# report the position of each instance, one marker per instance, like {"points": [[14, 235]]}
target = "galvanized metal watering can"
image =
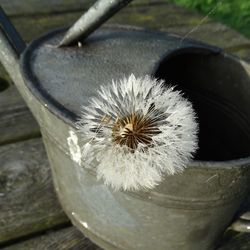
{"points": [[188, 211]]}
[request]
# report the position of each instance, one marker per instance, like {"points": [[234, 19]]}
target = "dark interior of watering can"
{"points": [[219, 88], [3, 84]]}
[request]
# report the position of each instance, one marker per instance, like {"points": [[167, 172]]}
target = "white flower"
{"points": [[137, 131]]}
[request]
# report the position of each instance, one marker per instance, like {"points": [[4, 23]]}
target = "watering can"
{"points": [[188, 211]]}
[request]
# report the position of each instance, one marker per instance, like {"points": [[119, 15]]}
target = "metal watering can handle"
{"points": [[100, 12], [9, 32], [11, 46], [13, 36]]}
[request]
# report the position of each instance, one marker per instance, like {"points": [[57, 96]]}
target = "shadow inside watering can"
{"points": [[3, 85], [219, 87]]}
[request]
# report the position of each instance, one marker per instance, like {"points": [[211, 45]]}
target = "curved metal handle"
{"points": [[242, 224], [11, 45], [101, 11], [12, 36]]}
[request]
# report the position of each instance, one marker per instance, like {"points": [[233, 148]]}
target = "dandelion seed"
{"points": [[138, 130]]}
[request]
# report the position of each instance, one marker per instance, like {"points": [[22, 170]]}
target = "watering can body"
{"points": [[188, 211]]}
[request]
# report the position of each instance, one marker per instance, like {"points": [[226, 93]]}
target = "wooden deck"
{"points": [[30, 215]]}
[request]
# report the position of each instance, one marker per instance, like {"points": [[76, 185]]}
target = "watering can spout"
{"points": [[11, 45], [100, 12]]}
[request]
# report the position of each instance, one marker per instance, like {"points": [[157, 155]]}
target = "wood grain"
{"points": [[67, 238], [34, 7], [16, 123], [28, 203]]}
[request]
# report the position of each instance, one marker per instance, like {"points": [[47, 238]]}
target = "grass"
{"points": [[234, 13]]}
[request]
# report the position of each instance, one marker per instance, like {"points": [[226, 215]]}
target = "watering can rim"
{"points": [[70, 117]]}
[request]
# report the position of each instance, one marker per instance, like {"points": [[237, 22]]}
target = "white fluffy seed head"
{"points": [[137, 131]]}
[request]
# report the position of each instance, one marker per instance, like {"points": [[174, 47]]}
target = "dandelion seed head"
{"points": [[138, 130], [133, 130]]}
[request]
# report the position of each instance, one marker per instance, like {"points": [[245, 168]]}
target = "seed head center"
{"points": [[134, 129], [127, 129]]}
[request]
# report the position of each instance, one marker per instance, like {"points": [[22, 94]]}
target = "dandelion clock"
{"points": [[138, 130]]}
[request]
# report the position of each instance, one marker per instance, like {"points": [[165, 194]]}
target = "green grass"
{"points": [[234, 13]]}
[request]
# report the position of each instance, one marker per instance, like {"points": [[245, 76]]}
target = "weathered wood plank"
{"points": [[243, 51], [28, 202], [180, 21], [16, 123], [67, 238], [71, 238], [172, 19], [146, 16], [31, 7]]}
